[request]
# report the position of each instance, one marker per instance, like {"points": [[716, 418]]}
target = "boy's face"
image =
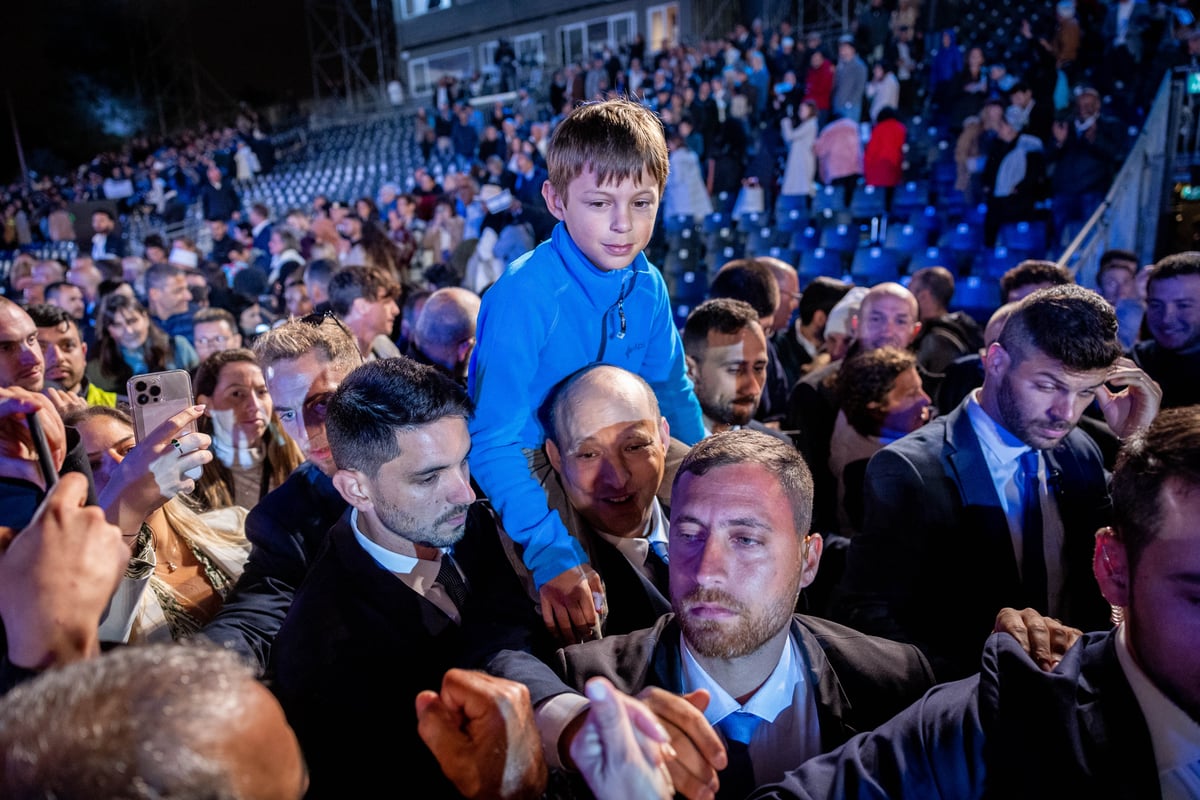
{"points": [[612, 223]]}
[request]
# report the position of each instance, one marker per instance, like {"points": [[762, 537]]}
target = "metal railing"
{"points": [[1128, 217]]}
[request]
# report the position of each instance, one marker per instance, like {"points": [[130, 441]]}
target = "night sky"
{"points": [[63, 58]]}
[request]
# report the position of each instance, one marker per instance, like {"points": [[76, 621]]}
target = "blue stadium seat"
{"points": [[932, 257], [792, 220], [911, 198], [1028, 238], [786, 204], [807, 239], [906, 239], [994, 262], [978, 295], [872, 265], [842, 238], [868, 202], [829, 200], [678, 222], [820, 262]]}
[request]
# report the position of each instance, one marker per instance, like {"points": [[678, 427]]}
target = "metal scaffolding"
{"points": [[350, 54]]}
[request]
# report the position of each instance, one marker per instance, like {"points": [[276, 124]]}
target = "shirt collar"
{"points": [[778, 692], [394, 562], [1174, 735], [993, 437]]}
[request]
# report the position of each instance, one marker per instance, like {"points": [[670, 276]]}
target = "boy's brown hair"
{"points": [[616, 138]]}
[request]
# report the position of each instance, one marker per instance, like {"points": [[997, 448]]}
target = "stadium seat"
{"points": [[820, 262], [842, 238], [874, 264], [868, 202]]}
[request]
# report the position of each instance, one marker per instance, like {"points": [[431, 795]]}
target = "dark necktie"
{"points": [[737, 779], [1033, 562], [452, 582], [656, 562]]}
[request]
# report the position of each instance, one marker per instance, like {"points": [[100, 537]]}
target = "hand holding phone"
{"points": [[155, 397]]}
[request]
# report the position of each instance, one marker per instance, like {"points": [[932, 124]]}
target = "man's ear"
{"points": [[554, 456], [664, 430], [996, 360], [352, 486], [356, 308], [1110, 564], [692, 367], [554, 201], [810, 554]]}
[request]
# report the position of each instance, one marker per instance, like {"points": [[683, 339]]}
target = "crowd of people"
{"points": [[483, 490]]}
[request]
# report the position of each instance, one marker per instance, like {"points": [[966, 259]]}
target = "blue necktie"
{"points": [[1033, 562], [656, 562], [737, 779]]}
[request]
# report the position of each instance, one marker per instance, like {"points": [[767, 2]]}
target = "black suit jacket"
{"points": [[934, 561], [287, 531], [1013, 731], [858, 681], [357, 646]]}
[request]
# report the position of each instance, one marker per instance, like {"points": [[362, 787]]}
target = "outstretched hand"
{"points": [[154, 471], [481, 730], [57, 577], [621, 750]]}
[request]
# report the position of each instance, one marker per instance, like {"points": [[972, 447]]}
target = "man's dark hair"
{"points": [[1019, 86], [821, 294], [1069, 323], [721, 314], [215, 314], [262, 210], [45, 315], [1167, 451], [1033, 271], [750, 280], [319, 271], [157, 275], [1175, 266], [381, 397], [1109, 256], [106, 212], [745, 446], [57, 286], [938, 280], [350, 283]]}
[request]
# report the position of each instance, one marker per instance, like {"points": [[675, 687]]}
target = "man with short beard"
{"points": [[995, 503], [382, 612], [740, 552]]}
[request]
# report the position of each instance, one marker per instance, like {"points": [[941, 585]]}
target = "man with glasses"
{"points": [[214, 330]]}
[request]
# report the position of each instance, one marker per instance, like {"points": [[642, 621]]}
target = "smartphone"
{"points": [[155, 397]]}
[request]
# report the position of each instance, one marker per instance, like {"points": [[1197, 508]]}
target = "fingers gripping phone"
{"points": [[155, 397]]}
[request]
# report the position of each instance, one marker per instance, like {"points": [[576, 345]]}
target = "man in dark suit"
{"points": [[740, 554], [727, 360], [105, 243], [1116, 719], [608, 464], [380, 614], [303, 364], [995, 503]]}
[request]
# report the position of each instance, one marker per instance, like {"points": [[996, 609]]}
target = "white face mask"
{"points": [[230, 444]]}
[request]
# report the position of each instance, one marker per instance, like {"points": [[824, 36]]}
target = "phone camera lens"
{"points": [[143, 399], [155, 391], [140, 386]]}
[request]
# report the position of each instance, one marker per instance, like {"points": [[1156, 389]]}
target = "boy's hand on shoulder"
{"points": [[574, 605]]}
